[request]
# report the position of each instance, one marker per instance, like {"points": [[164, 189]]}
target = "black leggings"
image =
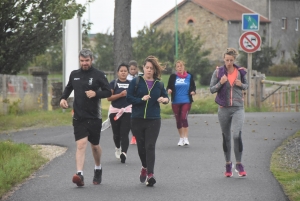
{"points": [[121, 129], [146, 132]]}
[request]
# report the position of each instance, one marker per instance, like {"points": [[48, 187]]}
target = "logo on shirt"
{"points": [[180, 81], [76, 78], [91, 81], [125, 86]]}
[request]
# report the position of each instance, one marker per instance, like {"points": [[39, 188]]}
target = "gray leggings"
{"points": [[232, 118]]}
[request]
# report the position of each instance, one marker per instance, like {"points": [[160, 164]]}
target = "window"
{"points": [[297, 24], [190, 22], [283, 23]]}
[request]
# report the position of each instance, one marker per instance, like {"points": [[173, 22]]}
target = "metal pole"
{"points": [[249, 73], [176, 32]]}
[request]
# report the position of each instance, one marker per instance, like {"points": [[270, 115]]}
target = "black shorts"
{"points": [[90, 128]]}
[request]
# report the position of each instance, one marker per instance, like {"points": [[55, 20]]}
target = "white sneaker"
{"points": [[180, 143], [117, 152], [186, 141]]}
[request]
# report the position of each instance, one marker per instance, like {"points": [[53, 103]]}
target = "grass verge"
{"points": [[17, 162], [288, 177]]}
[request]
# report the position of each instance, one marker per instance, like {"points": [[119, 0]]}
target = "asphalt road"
{"points": [[191, 173]]}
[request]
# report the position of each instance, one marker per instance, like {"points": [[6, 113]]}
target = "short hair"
{"points": [[122, 64], [132, 63], [86, 53], [232, 52]]}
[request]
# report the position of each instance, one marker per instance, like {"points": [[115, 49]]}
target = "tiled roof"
{"points": [[228, 10]]}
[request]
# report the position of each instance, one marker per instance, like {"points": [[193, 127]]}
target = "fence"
{"points": [[20, 93]]}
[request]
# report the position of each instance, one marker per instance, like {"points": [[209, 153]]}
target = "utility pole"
{"points": [[176, 32]]}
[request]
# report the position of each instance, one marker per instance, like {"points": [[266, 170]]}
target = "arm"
{"points": [[170, 84], [130, 98], [215, 84], [66, 93], [192, 86], [104, 91], [164, 96], [116, 96]]}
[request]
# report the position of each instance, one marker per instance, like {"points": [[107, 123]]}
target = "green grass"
{"points": [[17, 162], [287, 177]]}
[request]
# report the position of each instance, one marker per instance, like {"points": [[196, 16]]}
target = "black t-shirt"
{"points": [[120, 86]]}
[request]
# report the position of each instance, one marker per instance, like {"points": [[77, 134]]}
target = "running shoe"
{"points": [[78, 179], [228, 172], [239, 168], [150, 180], [133, 140], [97, 176], [123, 157], [186, 141], [117, 152], [143, 175], [180, 143]]}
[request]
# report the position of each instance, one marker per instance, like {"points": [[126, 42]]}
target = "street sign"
{"points": [[250, 22], [250, 42]]}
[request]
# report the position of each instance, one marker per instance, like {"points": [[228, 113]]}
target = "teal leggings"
{"points": [[232, 119]]}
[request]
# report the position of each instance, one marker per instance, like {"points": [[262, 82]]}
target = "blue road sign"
{"points": [[250, 22]]}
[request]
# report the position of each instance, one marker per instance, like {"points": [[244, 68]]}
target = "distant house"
{"points": [[219, 23]]}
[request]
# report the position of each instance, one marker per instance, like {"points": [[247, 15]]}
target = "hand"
{"points": [[162, 100], [238, 82], [123, 93], [169, 91], [146, 97], [223, 79], [63, 103], [193, 93], [90, 94]]}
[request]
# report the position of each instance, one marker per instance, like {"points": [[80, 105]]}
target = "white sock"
{"points": [[98, 167], [181, 138], [80, 171]]}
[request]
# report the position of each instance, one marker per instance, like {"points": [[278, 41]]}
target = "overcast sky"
{"points": [[143, 13]]}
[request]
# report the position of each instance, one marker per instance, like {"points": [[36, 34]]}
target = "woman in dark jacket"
{"points": [[145, 93], [181, 86]]}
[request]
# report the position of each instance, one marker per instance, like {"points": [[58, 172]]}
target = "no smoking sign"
{"points": [[250, 42]]}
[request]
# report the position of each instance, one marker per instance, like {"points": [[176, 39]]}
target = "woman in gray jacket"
{"points": [[228, 82]]}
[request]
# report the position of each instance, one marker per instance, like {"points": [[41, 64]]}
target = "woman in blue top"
{"points": [[145, 94], [182, 87], [120, 112]]}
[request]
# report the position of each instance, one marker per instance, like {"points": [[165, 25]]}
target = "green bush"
{"points": [[284, 69]]}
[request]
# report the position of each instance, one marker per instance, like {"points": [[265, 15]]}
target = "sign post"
{"points": [[250, 22], [249, 42]]}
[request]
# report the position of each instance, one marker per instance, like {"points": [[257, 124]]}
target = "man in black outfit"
{"points": [[89, 85]]}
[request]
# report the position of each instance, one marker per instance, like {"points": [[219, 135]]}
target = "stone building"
{"points": [[219, 23]]}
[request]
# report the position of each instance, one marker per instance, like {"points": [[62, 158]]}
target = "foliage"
{"points": [[287, 69], [296, 58], [261, 60], [14, 157], [29, 27], [103, 51]]}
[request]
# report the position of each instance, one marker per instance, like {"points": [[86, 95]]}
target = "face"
{"points": [[229, 60], [133, 70], [85, 62], [179, 67], [122, 73], [149, 70]]}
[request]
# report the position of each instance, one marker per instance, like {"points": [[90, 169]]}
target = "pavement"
{"points": [[193, 172]]}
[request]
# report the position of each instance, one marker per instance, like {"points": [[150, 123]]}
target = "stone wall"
{"points": [[213, 30]]}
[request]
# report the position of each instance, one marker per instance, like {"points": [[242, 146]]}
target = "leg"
{"points": [[80, 153], [237, 124], [124, 132], [115, 125], [177, 113], [97, 152], [186, 107], [225, 123], [138, 130]]}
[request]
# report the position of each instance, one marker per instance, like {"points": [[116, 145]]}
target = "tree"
{"points": [[296, 58], [104, 55], [29, 27], [122, 33], [261, 60]]}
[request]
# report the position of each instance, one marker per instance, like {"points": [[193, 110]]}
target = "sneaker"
{"points": [[97, 176], [123, 157], [239, 168], [143, 175], [150, 180], [78, 179], [117, 152], [180, 143], [186, 141], [133, 140], [228, 172]]}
